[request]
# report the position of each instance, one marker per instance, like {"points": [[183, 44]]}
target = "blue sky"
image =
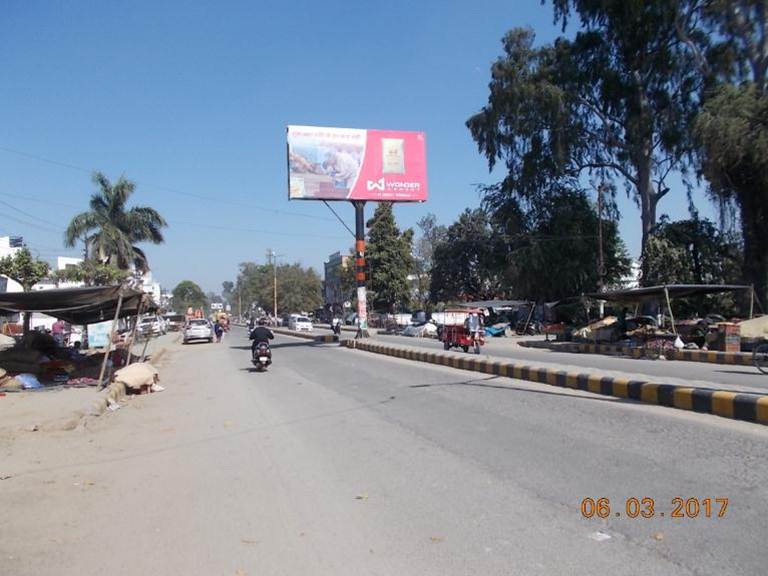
{"points": [[191, 100]]}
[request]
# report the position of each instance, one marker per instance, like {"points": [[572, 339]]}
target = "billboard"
{"points": [[355, 164]]}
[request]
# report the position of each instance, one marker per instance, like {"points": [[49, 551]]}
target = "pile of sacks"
{"points": [[9, 383], [139, 378]]}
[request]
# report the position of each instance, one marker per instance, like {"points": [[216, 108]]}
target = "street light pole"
{"points": [[362, 305]]}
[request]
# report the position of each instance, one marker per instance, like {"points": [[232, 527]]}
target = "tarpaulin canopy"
{"points": [[78, 305], [495, 304], [660, 292]]}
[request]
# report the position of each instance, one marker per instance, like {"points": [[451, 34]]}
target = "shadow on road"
{"points": [[745, 372], [278, 345]]}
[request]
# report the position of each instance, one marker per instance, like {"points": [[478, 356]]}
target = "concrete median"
{"points": [[750, 407], [709, 356]]}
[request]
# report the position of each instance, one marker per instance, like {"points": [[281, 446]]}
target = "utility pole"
{"points": [[600, 257], [273, 261], [600, 260], [362, 305]]}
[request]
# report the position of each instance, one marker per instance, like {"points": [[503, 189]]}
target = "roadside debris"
{"points": [[600, 536], [437, 539]]}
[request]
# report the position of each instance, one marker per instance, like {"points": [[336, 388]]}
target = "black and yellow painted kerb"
{"points": [[710, 356], [740, 406]]}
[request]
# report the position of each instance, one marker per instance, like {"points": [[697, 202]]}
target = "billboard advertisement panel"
{"points": [[356, 164]]}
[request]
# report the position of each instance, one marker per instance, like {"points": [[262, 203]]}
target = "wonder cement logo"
{"points": [[375, 185]]}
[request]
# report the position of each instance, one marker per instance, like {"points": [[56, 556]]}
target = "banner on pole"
{"points": [[356, 164]]}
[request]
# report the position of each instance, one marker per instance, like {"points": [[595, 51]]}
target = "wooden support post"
{"points": [[669, 307], [133, 332], [111, 338]]}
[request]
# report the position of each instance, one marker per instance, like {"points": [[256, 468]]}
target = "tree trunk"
{"points": [[648, 201], [754, 223]]}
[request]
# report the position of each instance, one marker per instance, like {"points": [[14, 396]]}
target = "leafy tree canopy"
{"points": [[298, 288], [469, 264], [186, 295], [93, 273], [111, 230], [558, 258], [389, 257], [24, 268], [613, 102]]}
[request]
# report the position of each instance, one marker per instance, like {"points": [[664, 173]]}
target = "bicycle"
{"points": [[760, 357]]}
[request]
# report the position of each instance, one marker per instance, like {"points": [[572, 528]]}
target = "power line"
{"points": [[166, 189], [40, 200], [33, 225], [257, 230], [27, 214]]}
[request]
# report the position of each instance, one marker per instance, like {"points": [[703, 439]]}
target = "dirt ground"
{"points": [[37, 414]]}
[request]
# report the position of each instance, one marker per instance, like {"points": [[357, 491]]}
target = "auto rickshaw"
{"points": [[455, 332]]}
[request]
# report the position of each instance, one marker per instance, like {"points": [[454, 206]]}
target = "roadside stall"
{"points": [[38, 360], [658, 333]]}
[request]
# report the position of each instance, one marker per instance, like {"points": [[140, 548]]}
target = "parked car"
{"points": [[152, 326], [174, 322], [198, 329], [300, 323]]}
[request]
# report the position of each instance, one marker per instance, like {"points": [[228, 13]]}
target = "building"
{"points": [[149, 286], [333, 294], [9, 245]]}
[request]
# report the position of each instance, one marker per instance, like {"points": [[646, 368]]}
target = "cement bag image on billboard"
{"points": [[355, 164]]}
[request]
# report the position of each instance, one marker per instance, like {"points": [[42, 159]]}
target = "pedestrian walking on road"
{"points": [[218, 331]]}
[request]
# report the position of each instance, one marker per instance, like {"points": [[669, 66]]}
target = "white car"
{"points": [[198, 329], [152, 326], [301, 324]]}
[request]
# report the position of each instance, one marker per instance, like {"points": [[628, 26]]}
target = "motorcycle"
{"points": [[262, 356]]}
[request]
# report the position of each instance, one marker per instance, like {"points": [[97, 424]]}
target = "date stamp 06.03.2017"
{"points": [[633, 507]]}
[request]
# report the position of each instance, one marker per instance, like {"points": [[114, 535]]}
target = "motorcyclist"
{"points": [[261, 334]]}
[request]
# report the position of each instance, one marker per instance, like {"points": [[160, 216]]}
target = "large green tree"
{"points": [[469, 263], [110, 230], [613, 102], [390, 260], [731, 130], [692, 251], [26, 270], [188, 294], [298, 288], [431, 234], [558, 255], [92, 273]]}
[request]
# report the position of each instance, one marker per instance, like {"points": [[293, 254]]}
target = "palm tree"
{"points": [[110, 231]]}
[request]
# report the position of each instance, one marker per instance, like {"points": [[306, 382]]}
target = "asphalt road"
{"points": [[341, 462], [737, 376]]}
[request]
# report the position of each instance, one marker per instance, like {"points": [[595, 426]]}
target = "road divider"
{"points": [[710, 356], [737, 405]]}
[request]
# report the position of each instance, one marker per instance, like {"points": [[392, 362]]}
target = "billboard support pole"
{"points": [[362, 305]]}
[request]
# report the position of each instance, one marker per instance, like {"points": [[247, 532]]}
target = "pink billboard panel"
{"points": [[355, 164]]}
